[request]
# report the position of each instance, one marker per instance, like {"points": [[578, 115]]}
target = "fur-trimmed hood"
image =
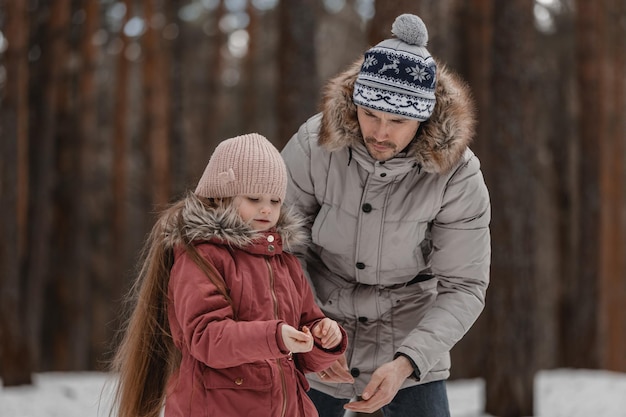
{"points": [[193, 220], [441, 140]]}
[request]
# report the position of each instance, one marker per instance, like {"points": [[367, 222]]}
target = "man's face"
{"points": [[385, 134]]}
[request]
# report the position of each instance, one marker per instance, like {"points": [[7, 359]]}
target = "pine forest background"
{"points": [[110, 109]]}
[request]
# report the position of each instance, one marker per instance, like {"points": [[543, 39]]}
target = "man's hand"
{"points": [[384, 385], [337, 372]]}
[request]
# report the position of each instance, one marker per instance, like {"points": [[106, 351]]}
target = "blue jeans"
{"points": [[426, 400]]}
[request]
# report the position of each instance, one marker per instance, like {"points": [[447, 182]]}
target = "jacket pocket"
{"points": [[251, 376], [239, 391]]}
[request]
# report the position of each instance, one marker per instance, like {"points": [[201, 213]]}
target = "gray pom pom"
{"points": [[411, 29]]}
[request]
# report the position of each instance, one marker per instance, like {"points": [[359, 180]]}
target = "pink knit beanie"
{"points": [[247, 164]]}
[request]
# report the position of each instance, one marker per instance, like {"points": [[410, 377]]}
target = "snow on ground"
{"points": [[559, 393]]}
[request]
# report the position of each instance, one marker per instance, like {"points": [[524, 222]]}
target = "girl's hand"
{"points": [[297, 341], [327, 332]]}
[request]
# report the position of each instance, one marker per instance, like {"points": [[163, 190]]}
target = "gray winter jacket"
{"points": [[400, 250]]}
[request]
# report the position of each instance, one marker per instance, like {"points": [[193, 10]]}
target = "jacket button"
{"points": [[270, 238], [360, 265], [355, 372], [383, 175], [367, 207], [270, 248], [363, 319], [239, 381]]}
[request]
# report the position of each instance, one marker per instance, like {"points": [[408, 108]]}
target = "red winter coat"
{"points": [[240, 367]]}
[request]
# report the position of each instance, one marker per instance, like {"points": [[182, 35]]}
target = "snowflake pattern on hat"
{"points": [[399, 75], [418, 73], [397, 82], [399, 69]]}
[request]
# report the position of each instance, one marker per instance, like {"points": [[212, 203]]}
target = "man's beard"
{"points": [[390, 146]]}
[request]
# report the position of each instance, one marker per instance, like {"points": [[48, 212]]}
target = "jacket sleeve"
{"points": [[301, 186], [319, 358], [460, 261], [209, 331]]}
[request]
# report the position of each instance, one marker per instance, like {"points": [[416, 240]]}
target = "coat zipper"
{"points": [[280, 367]]}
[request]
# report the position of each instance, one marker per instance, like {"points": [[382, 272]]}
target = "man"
{"points": [[399, 223]]}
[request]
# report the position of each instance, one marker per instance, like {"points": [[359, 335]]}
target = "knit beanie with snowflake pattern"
{"points": [[247, 164], [399, 75]]}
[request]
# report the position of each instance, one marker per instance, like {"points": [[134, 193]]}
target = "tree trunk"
{"points": [[613, 267], [121, 247], [96, 203], [178, 141], [260, 78], [249, 69], [557, 92], [338, 41], [15, 354], [469, 355], [298, 90], [215, 114], [386, 13], [515, 290], [596, 336], [66, 326], [156, 116], [43, 176]]}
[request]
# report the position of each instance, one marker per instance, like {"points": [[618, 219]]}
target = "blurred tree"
{"points": [[386, 13], [250, 71], [89, 219], [178, 141], [65, 327], [339, 40], [513, 309], [475, 58], [595, 333], [15, 355], [554, 192], [95, 147], [298, 88], [46, 81], [258, 86], [121, 246], [213, 116], [554, 196], [156, 108]]}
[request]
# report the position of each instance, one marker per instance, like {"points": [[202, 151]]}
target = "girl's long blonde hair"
{"points": [[147, 356]]}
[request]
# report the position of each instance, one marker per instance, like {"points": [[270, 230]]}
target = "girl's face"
{"points": [[260, 211]]}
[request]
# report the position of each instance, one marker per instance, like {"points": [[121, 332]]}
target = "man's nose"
{"points": [[381, 131]]}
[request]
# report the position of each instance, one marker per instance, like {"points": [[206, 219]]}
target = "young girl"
{"points": [[224, 321]]}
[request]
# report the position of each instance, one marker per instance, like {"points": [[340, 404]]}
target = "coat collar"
{"points": [[195, 221], [441, 141], [399, 165]]}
